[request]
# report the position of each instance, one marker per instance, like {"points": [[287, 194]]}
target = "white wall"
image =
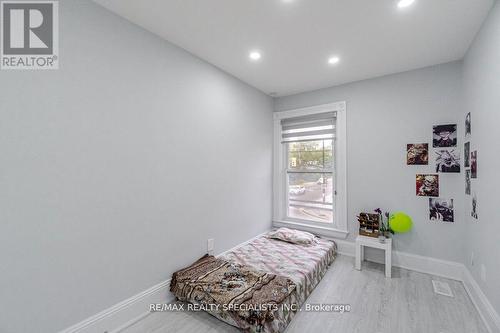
{"points": [[482, 100], [116, 168], [383, 115]]}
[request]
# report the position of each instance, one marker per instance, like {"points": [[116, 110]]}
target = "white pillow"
{"points": [[293, 236]]}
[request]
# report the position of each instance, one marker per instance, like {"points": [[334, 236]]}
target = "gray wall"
{"points": [[482, 99], [116, 168], [383, 115]]}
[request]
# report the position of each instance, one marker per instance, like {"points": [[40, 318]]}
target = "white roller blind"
{"points": [[307, 128]]}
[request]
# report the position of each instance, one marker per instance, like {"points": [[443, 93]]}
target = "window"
{"points": [[307, 168], [309, 154]]}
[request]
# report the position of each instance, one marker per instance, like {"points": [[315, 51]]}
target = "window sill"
{"points": [[326, 231]]}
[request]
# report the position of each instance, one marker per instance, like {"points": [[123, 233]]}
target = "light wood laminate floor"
{"points": [[405, 303]]}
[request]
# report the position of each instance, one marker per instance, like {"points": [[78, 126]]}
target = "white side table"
{"points": [[362, 241]]}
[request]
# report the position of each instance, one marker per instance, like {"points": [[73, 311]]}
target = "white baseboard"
{"points": [[345, 248], [447, 269], [131, 310], [413, 262], [124, 313], [490, 317]]}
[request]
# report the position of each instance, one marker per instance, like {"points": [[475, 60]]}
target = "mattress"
{"points": [[304, 265]]}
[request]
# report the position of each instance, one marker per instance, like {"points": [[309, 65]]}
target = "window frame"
{"points": [[339, 227]]}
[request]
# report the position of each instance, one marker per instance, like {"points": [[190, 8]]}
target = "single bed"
{"points": [[305, 265]]}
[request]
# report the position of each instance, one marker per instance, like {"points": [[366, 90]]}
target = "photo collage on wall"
{"points": [[467, 154], [444, 136], [473, 212], [441, 210], [467, 181], [473, 164], [470, 163], [417, 154], [446, 153], [427, 185], [447, 160]]}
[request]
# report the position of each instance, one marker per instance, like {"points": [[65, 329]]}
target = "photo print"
{"points": [[467, 154], [473, 212], [441, 210], [447, 160], [467, 182], [427, 185], [417, 154], [467, 125], [444, 136], [473, 164]]}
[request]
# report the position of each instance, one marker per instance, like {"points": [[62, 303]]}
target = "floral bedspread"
{"points": [[303, 264]]}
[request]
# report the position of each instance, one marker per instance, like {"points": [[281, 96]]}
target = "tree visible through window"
{"points": [[309, 169]]}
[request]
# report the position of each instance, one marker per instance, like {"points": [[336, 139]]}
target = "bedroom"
{"points": [[139, 136]]}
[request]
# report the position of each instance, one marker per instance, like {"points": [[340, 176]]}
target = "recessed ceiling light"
{"points": [[254, 55], [405, 3], [333, 60]]}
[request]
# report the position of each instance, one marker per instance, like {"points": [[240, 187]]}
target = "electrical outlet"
{"points": [[210, 245], [483, 273], [472, 259]]}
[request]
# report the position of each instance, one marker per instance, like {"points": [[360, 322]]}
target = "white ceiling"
{"points": [[296, 37]]}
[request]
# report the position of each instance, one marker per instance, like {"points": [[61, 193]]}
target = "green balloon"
{"points": [[400, 222]]}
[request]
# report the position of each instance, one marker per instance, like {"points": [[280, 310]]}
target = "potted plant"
{"points": [[384, 229]]}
